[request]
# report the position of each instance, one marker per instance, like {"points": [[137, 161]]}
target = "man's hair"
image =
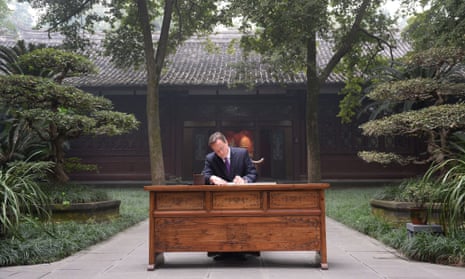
{"points": [[216, 136]]}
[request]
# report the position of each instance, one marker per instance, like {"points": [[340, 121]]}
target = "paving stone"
{"points": [[350, 255]]}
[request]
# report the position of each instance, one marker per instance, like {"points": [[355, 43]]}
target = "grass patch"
{"points": [[351, 206], [75, 193], [54, 241]]}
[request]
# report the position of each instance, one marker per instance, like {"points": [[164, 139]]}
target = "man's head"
{"points": [[219, 144]]}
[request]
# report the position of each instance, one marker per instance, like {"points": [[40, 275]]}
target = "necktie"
{"points": [[228, 166]]}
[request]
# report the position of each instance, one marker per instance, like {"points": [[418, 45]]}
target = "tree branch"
{"points": [[70, 15], [348, 41], [380, 41]]}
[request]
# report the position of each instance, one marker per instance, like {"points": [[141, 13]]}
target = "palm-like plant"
{"points": [[450, 175], [9, 56], [18, 141], [21, 195]]}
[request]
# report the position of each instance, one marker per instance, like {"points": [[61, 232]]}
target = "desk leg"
{"points": [[323, 251], [152, 255], [322, 260], [159, 259]]}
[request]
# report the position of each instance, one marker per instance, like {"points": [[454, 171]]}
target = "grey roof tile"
{"points": [[192, 65]]}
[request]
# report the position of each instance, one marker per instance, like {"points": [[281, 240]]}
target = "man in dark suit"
{"points": [[227, 164]]}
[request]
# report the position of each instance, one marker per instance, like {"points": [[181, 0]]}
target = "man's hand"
{"points": [[217, 180], [239, 180]]}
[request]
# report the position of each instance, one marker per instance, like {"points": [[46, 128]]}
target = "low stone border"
{"points": [[398, 213], [98, 211]]}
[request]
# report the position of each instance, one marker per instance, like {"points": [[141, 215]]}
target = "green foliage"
{"points": [[435, 249], [428, 104], [418, 191], [442, 23], [74, 193], [131, 26], [435, 62], [434, 119], [6, 25], [450, 177], [74, 164], [384, 158], [123, 38], [286, 34], [9, 56], [56, 241], [273, 37], [20, 194], [54, 64], [416, 89], [4, 11], [73, 111], [351, 207], [19, 142], [58, 113], [351, 102], [340, 202]]}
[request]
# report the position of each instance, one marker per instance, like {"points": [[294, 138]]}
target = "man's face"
{"points": [[220, 148]]}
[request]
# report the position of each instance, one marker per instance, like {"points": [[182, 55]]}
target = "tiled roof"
{"points": [[192, 65]]}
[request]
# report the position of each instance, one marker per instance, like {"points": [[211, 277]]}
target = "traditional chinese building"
{"points": [[199, 94]]}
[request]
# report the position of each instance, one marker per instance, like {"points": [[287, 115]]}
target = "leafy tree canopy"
{"points": [[123, 41], [432, 119], [54, 63], [280, 30], [75, 112], [130, 42], [442, 23], [58, 113], [4, 13], [435, 84], [417, 89], [286, 33]]}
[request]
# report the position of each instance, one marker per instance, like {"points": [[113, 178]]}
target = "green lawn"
{"points": [[60, 240], [351, 207]]}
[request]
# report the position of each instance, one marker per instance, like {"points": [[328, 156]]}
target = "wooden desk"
{"points": [[252, 217]]}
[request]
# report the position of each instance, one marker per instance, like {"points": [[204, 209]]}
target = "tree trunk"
{"points": [[58, 153], [312, 133], [154, 67]]}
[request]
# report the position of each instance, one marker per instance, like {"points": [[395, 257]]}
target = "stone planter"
{"points": [[399, 213], [81, 212]]}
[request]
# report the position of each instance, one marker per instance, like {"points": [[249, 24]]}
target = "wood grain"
{"points": [[280, 217]]}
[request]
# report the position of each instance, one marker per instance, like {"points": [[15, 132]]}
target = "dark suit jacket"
{"points": [[241, 165]]}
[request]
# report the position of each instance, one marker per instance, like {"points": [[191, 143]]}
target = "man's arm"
{"points": [[207, 170], [251, 171], [211, 170]]}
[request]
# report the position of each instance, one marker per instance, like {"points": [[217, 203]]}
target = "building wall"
{"points": [[270, 123]]}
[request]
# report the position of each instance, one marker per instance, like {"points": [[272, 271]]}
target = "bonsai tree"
{"points": [[54, 63], [9, 56], [59, 113], [430, 87], [55, 112]]}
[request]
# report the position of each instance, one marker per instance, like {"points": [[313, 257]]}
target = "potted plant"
{"points": [[419, 193]]}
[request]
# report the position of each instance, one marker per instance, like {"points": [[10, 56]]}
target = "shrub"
{"points": [[54, 241], [451, 183], [73, 193], [20, 193]]}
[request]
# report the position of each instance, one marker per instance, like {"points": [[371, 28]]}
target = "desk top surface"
{"points": [[237, 187]]}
